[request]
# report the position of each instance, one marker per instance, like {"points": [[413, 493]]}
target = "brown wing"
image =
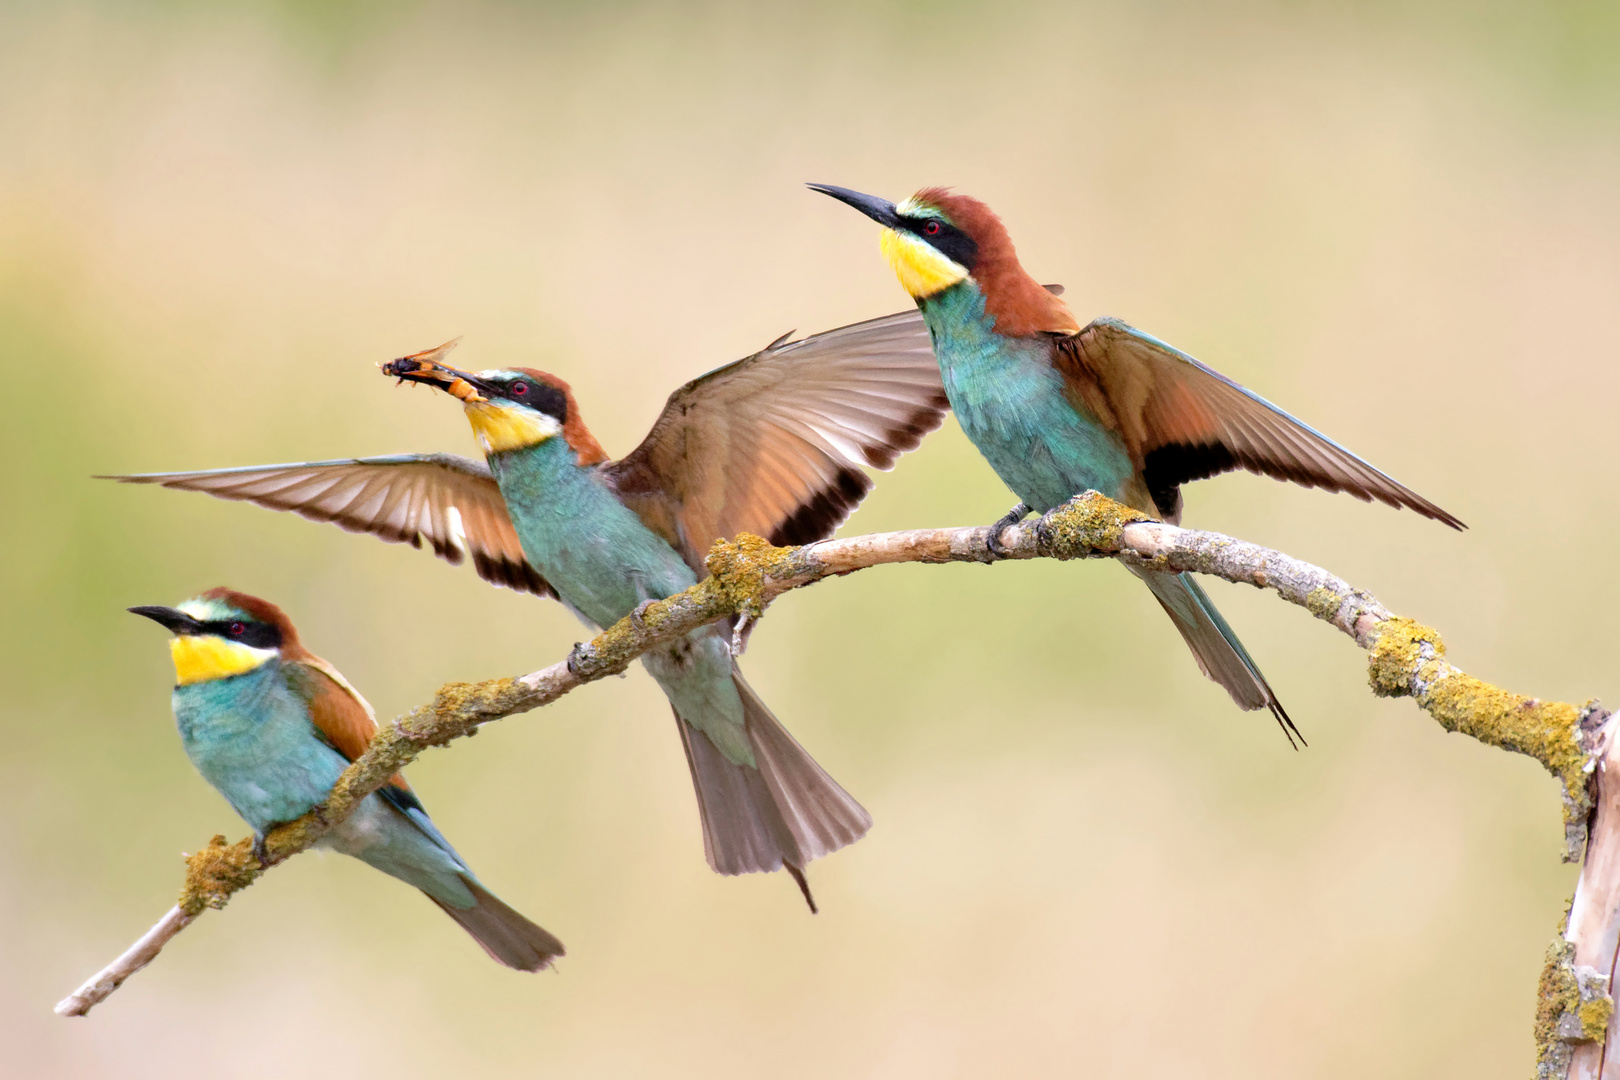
{"points": [[451, 502], [774, 444], [343, 718], [1183, 421]]}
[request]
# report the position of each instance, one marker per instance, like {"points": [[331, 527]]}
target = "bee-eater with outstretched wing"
{"points": [[772, 444], [1057, 408], [272, 726]]}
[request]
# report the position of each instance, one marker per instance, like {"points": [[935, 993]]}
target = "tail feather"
{"points": [[506, 935], [822, 816], [784, 813], [1219, 653]]}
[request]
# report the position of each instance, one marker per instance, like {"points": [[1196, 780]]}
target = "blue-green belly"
{"points": [[603, 561]]}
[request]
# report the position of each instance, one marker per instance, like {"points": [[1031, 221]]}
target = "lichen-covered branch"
{"points": [[747, 574]]}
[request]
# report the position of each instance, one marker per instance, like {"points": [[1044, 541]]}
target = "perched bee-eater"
{"points": [[1057, 408], [272, 726], [772, 444]]}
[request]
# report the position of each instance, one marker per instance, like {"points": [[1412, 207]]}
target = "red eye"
{"points": [[238, 629], [931, 229], [519, 389]]}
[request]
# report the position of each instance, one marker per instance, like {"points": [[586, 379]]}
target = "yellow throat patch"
{"points": [[921, 268], [203, 658], [501, 427]]}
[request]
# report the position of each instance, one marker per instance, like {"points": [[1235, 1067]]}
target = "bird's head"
{"points": [[223, 633], [937, 239], [509, 408]]}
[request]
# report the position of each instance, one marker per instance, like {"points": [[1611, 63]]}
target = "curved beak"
{"points": [[178, 621], [428, 367], [879, 210]]}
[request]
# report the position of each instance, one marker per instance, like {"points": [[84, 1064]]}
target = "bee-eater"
{"points": [[772, 444], [272, 726], [1057, 408]]}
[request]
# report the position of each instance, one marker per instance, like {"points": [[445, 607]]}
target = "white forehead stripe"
{"points": [[207, 610], [910, 207]]}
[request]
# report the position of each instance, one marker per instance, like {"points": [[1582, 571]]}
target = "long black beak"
{"points": [[178, 621], [879, 210]]}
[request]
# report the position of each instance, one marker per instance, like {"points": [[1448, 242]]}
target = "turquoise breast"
{"points": [[1011, 403], [250, 736]]}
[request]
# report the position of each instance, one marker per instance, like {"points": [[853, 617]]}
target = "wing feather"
{"points": [[451, 502], [1184, 421], [776, 444]]}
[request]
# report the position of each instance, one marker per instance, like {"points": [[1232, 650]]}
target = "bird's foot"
{"points": [[992, 541], [740, 633], [797, 874], [638, 614], [260, 852]]}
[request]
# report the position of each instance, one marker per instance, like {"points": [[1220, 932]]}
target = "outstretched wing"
{"points": [[451, 502], [774, 444], [1183, 421]]}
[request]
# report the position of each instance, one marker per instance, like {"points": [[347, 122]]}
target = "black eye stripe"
{"points": [[257, 635], [539, 397], [949, 241]]}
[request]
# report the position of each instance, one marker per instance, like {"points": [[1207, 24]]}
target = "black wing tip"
{"points": [[1289, 729], [797, 874], [1434, 513], [509, 574], [819, 516]]}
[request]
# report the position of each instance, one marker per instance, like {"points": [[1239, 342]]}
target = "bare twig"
{"points": [[747, 574], [135, 957]]}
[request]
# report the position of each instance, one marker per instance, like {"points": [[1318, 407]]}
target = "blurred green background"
{"points": [[1401, 222]]}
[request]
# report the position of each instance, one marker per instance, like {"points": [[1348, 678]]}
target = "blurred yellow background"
{"points": [[1400, 222]]}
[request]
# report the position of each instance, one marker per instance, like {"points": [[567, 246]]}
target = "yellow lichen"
{"points": [[1595, 1016], [1399, 654], [215, 872], [741, 567], [1548, 731], [1088, 523]]}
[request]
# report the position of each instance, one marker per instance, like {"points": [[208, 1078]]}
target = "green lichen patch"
{"points": [[1568, 1008], [741, 567], [620, 638], [452, 699], [459, 705], [215, 872], [1557, 994], [1087, 524], [1324, 603]]}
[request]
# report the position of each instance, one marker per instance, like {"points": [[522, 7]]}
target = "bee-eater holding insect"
{"points": [[772, 444], [272, 726], [1057, 408]]}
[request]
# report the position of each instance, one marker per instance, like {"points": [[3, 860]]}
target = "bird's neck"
{"points": [[551, 462], [978, 364], [959, 320], [227, 708]]}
